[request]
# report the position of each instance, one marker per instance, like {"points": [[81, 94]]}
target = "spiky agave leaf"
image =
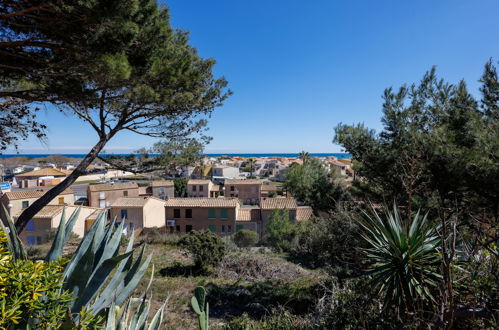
{"points": [[14, 243], [404, 259]]}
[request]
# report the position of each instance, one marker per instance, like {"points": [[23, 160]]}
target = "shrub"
{"points": [[283, 234], [207, 249], [246, 238]]}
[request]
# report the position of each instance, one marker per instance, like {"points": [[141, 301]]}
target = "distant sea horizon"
{"points": [[286, 155]]}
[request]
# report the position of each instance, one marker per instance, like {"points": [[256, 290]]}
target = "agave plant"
{"points": [[404, 257], [98, 276]]}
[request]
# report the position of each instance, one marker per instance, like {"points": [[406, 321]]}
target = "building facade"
{"points": [[103, 195]]}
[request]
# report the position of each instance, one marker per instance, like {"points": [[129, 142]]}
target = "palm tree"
{"points": [[405, 258], [251, 162], [304, 156]]}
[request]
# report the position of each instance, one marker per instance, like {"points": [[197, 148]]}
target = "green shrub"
{"points": [[246, 238], [282, 233], [207, 249]]}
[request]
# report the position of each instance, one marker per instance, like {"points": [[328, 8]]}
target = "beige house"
{"points": [[43, 177], [38, 229], [248, 191], [139, 212], [164, 189], [200, 188], [215, 214], [248, 218], [103, 195], [16, 201]]}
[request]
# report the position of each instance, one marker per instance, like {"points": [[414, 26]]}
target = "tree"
{"points": [[180, 186], [312, 184], [304, 156], [246, 238], [168, 156], [156, 85], [251, 162], [282, 234], [206, 248]]}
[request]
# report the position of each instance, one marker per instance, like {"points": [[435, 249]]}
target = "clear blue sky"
{"points": [[298, 68]]}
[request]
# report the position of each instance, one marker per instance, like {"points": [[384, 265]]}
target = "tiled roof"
{"points": [[23, 194], [243, 181], [278, 203], [47, 212], [43, 172], [131, 201], [202, 202], [304, 213], [162, 183], [193, 181], [269, 187], [244, 215], [112, 186]]}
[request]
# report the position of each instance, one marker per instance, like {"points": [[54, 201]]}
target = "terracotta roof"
{"points": [[47, 212], [243, 181], [193, 181], [202, 202], [112, 186], [162, 183], [304, 213], [23, 194], [278, 203], [43, 172], [132, 201], [269, 187], [244, 215]]}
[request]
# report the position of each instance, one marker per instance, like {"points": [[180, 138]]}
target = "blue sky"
{"points": [[298, 68]]}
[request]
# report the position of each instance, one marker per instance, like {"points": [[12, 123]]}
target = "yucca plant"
{"points": [[404, 258], [98, 276]]}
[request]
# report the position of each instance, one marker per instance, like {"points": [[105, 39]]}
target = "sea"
{"points": [[287, 155]]}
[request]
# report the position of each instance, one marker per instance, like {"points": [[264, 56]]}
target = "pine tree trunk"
{"points": [[34, 208]]}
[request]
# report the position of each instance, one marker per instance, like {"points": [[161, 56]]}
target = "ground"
{"points": [[251, 281]]}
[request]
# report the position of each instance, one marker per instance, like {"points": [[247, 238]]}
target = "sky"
{"points": [[299, 68]]}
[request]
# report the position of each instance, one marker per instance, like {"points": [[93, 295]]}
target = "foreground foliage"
{"points": [[207, 249]]}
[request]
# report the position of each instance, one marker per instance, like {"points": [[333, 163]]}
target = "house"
{"points": [[224, 172], [215, 214], [164, 189], [200, 188], [269, 190], [16, 201], [103, 195], [269, 205], [248, 191], [39, 229], [41, 177], [139, 212], [249, 218]]}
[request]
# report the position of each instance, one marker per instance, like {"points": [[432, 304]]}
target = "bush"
{"points": [[283, 234], [207, 249], [246, 238]]}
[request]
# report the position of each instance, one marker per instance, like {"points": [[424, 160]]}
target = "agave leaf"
{"points": [[70, 223], [111, 318], [132, 280], [59, 240], [158, 317], [14, 243]]}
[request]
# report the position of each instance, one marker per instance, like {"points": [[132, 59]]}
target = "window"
{"points": [[188, 213], [61, 200], [176, 213], [25, 204], [38, 240], [212, 214], [30, 226], [194, 188], [177, 228], [229, 229], [124, 214], [188, 228], [161, 191], [223, 229], [102, 204], [125, 193], [223, 213], [231, 188], [31, 240], [239, 227], [201, 188], [102, 195], [231, 195], [131, 225], [162, 197], [212, 228]]}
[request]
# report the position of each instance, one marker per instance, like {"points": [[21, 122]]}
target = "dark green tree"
{"points": [[180, 186], [313, 184], [144, 78], [207, 249], [246, 238]]}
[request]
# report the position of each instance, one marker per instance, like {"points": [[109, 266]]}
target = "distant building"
{"points": [[218, 215], [16, 201], [269, 205], [104, 194], [139, 212], [224, 172], [41, 177], [164, 189], [248, 191], [201, 188]]}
